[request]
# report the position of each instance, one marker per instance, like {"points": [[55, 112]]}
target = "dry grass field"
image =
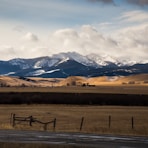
{"points": [[121, 89], [96, 118], [137, 80]]}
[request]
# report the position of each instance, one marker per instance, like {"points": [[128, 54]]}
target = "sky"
{"points": [[34, 28]]}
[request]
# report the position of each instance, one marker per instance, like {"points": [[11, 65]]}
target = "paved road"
{"points": [[90, 140]]}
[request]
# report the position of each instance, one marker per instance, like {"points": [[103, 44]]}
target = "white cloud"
{"points": [[7, 52], [134, 16], [19, 28], [30, 37], [133, 42], [84, 41], [129, 41]]}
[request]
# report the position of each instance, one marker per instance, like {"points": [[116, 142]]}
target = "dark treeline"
{"points": [[74, 98]]}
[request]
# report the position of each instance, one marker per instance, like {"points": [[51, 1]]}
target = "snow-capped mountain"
{"points": [[102, 60], [71, 63]]}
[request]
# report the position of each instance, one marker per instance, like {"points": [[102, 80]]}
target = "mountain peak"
{"points": [[72, 63]]}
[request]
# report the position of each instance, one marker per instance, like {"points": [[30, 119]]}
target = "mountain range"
{"points": [[63, 65]]}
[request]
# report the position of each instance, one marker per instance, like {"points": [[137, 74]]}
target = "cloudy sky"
{"points": [[33, 28]]}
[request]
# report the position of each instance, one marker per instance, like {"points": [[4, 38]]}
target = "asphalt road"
{"points": [[89, 140]]}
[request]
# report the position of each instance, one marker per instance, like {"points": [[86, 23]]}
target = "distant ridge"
{"points": [[63, 65]]}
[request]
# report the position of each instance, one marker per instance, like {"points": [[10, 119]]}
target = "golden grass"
{"points": [[140, 80], [119, 89], [69, 118]]}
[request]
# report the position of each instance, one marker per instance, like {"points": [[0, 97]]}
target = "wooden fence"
{"points": [[30, 120], [110, 121]]}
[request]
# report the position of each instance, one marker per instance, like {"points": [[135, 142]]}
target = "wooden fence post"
{"points": [[54, 123], [45, 126], [132, 121], [81, 124], [109, 121], [13, 118], [31, 120]]}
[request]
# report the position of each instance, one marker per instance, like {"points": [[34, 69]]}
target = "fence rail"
{"points": [[81, 122], [30, 119]]}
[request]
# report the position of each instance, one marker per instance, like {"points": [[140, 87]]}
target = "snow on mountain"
{"points": [[102, 60], [77, 57], [45, 62], [51, 71], [37, 72], [10, 73], [62, 61], [93, 60], [72, 63], [19, 62], [126, 62], [41, 71]]}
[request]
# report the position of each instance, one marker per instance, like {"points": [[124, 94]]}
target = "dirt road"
{"points": [[89, 140]]}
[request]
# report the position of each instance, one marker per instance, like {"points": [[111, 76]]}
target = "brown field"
{"points": [[134, 84], [96, 118], [124, 89], [137, 80]]}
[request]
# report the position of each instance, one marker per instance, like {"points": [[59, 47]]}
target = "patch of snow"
{"points": [[102, 60], [126, 70], [37, 72], [45, 63], [36, 66], [126, 62], [52, 62], [41, 71], [10, 73], [51, 71], [19, 62], [62, 61], [75, 56]]}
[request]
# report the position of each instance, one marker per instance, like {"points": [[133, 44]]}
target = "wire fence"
{"points": [[84, 124]]}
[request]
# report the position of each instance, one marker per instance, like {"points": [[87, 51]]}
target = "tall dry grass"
{"points": [[96, 118], [113, 89]]}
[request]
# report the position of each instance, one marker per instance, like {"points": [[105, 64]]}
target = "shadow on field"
{"points": [[26, 145], [73, 98]]}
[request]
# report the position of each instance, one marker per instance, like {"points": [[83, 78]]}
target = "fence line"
{"points": [[30, 120], [81, 124], [109, 121], [132, 119]]}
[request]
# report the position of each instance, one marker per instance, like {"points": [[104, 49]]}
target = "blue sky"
{"points": [[33, 28]]}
